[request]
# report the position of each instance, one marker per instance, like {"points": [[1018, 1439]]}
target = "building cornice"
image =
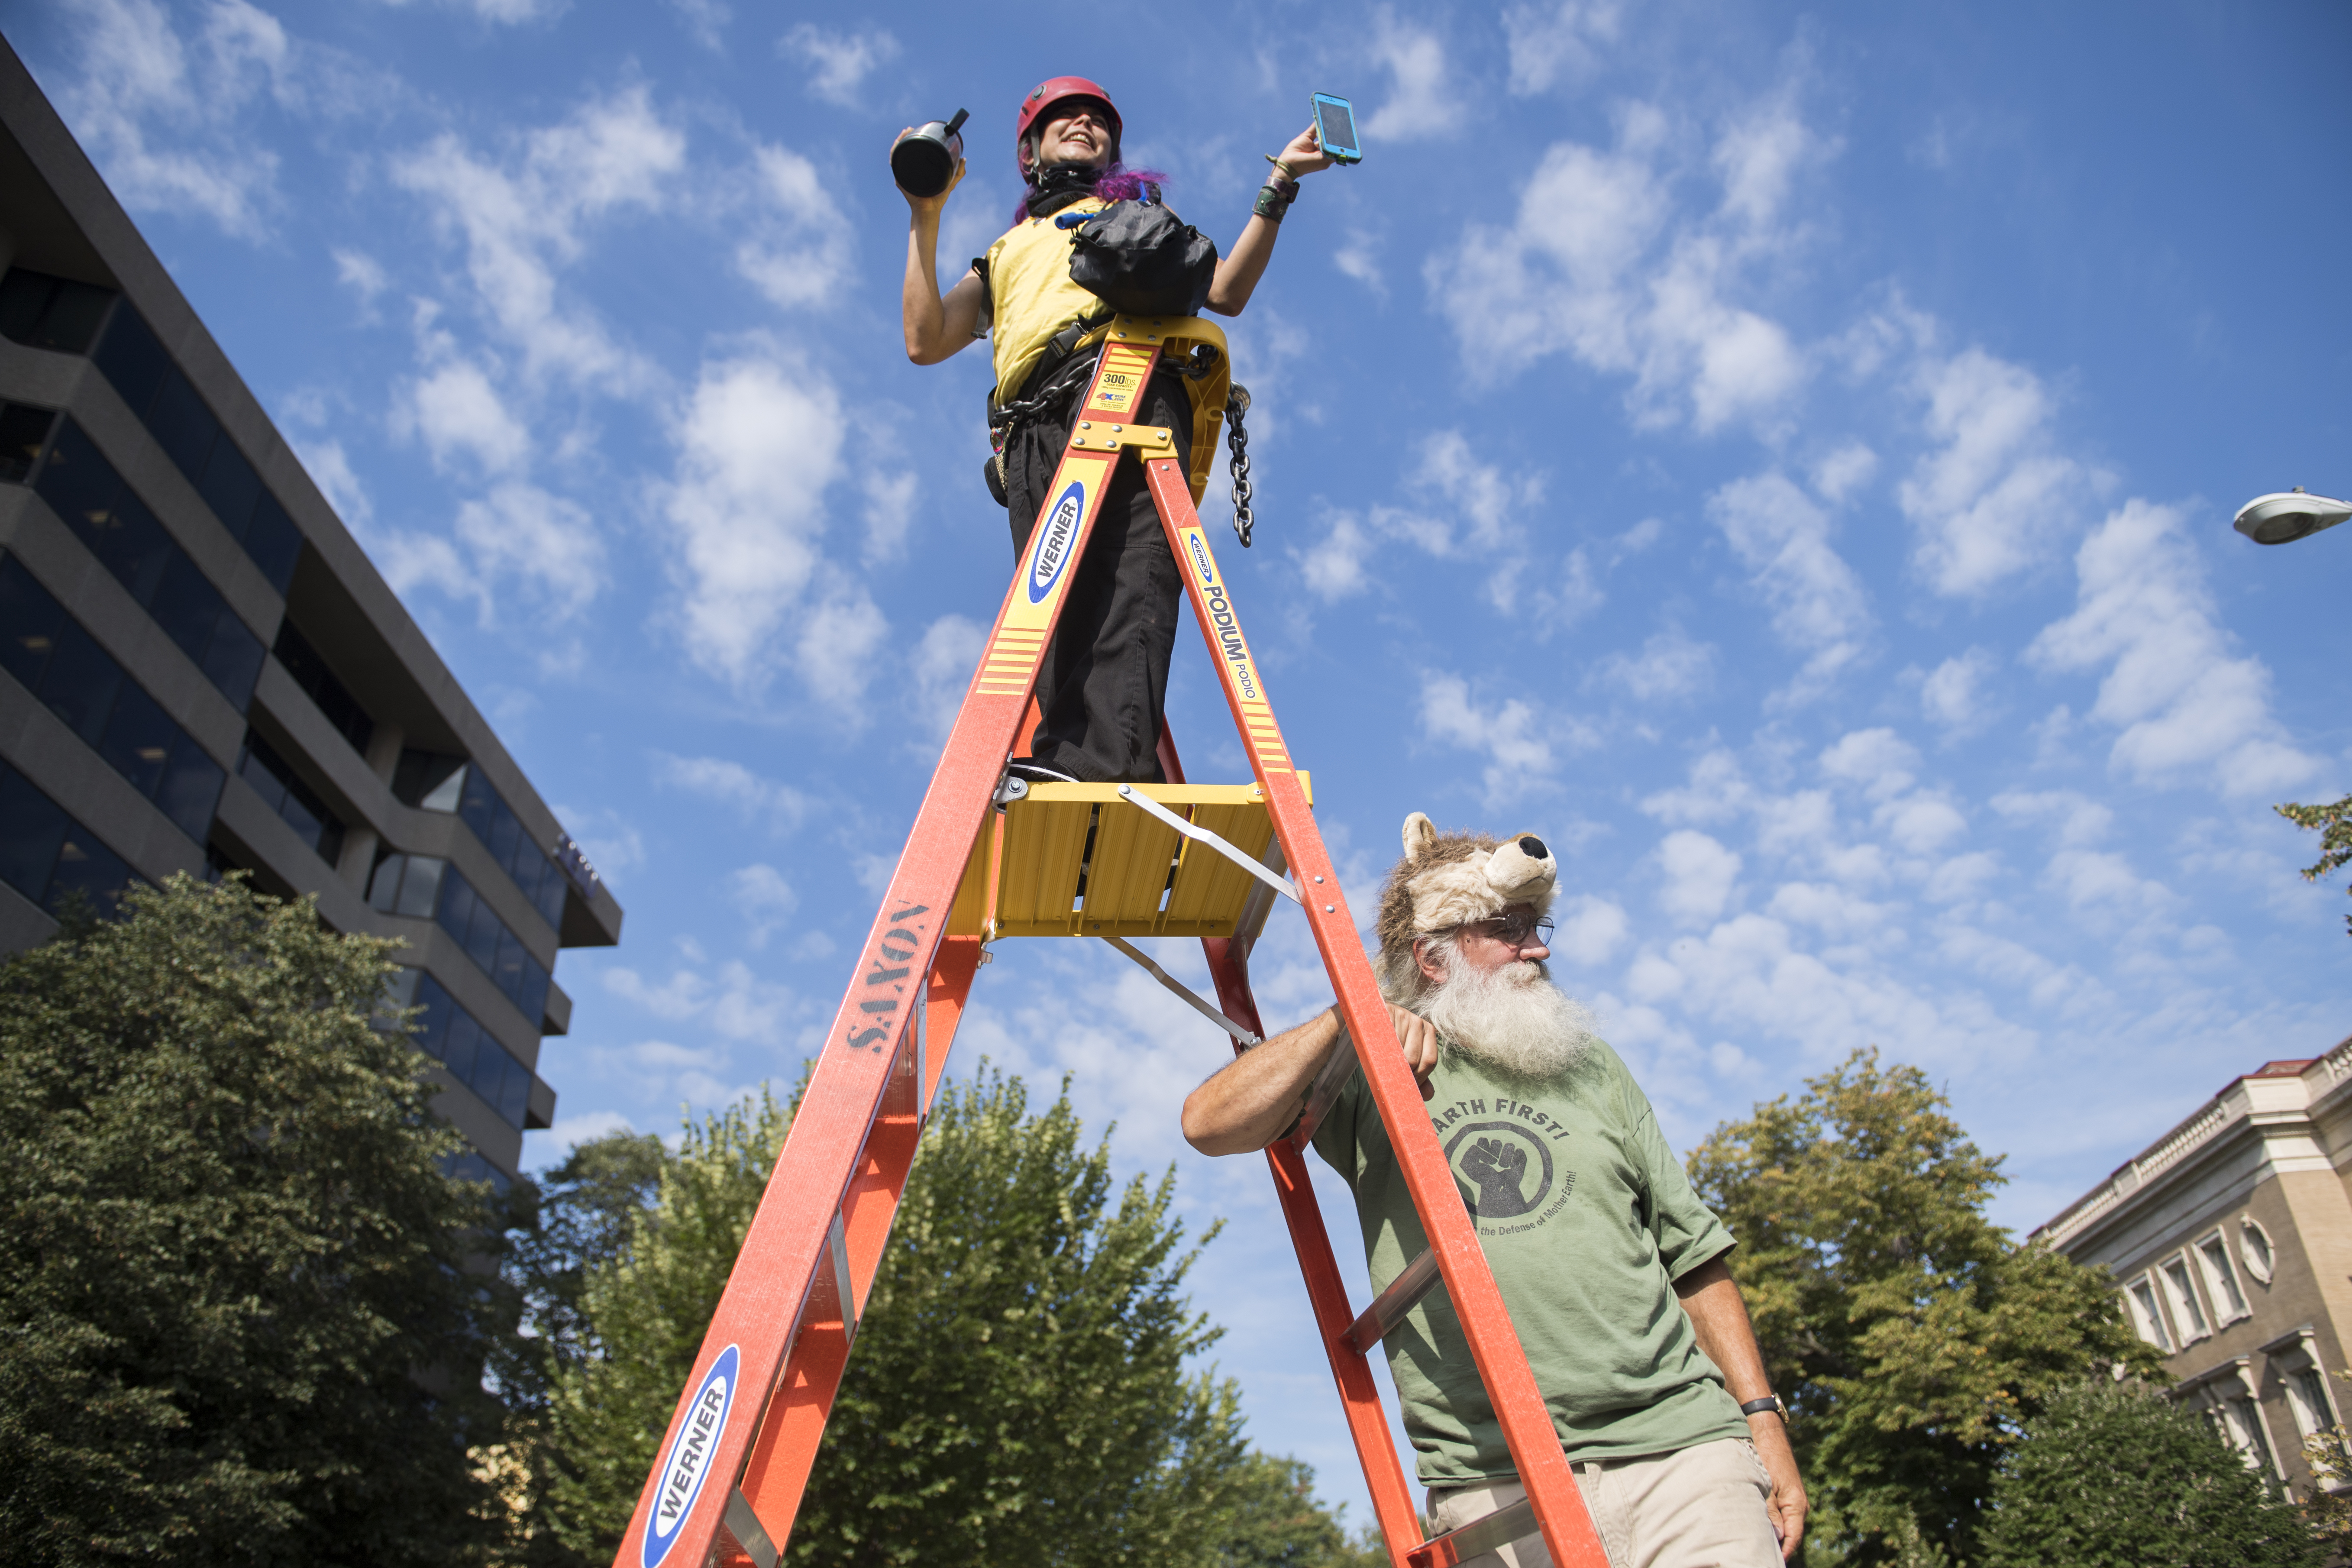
{"points": [[2281, 1109]]}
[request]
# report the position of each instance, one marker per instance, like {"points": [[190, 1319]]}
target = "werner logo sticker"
{"points": [[689, 1465], [1060, 529], [1199, 551]]}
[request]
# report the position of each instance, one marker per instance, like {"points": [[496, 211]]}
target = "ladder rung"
{"points": [[1388, 1308], [1324, 1091], [1478, 1537], [749, 1532]]}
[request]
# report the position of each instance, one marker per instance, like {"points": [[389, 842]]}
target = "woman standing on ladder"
{"points": [[1105, 677]]}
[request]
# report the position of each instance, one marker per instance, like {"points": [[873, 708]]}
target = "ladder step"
{"points": [[1388, 1308], [1515, 1522]]}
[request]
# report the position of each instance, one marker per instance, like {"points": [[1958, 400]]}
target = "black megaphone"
{"points": [[923, 160]]}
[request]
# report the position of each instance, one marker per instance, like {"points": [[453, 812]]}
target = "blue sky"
{"points": [[1784, 457]]}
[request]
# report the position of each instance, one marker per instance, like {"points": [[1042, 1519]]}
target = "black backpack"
{"points": [[1138, 259]]}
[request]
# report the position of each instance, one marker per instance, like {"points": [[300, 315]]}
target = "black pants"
{"points": [[1105, 677]]}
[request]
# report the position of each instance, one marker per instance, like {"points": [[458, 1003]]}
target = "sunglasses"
{"points": [[1517, 928]]}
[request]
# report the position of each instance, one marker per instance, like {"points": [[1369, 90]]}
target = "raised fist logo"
{"points": [[1497, 1167], [1497, 1161]]}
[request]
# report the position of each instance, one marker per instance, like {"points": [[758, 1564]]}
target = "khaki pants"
{"points": [[1697, 1508]]}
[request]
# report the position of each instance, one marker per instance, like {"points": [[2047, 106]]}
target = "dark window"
{"points": [[428, 780], [130, 357], [451, 1036], [230, 488], [63, 665], [24, 431], [83, 488], [233, 659], [273, 541], [177, 416], [296, 803], [45, 312], [407, 885], [182, 425], [49, 857], [334, 699]]}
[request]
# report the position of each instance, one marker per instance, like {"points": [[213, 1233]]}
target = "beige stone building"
{"points": [[2230, 1238]]}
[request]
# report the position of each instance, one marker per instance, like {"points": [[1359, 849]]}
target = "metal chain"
{"points": [[1236, 404]]}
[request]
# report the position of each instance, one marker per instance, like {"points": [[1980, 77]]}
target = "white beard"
{"points": [[1512, 1019]]}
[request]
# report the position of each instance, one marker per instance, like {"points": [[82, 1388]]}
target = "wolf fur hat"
{"points": [[1447, 879]]}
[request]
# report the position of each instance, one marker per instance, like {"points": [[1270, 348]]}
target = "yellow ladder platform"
{"points": [[1075, 859]]}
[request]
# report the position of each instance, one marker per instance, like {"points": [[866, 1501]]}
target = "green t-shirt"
{"points": [[1587, 1220]]}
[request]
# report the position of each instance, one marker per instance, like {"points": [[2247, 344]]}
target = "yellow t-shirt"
{"points": [[1030, 298]]}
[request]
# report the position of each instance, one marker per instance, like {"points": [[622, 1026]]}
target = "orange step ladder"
{"points": [[990, 858]]}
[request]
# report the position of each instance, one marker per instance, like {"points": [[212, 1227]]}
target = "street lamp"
{"points": [[2285, 516]]}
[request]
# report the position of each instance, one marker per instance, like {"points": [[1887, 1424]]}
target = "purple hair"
{"points": [[1117, 183]]}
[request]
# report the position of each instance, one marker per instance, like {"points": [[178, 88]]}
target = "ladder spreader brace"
{"points": [[980, 864]]}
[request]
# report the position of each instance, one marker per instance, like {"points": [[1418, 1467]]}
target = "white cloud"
{"points": [[1818, 605], [1357, 261], [545, 543], [799, 250], [1425, 100], [737, 1006], [839, 62], [551, 1148], [1558, 43], [1516, 737], [706, 20], [158, 112], [1993, 499], [459, 413], [1463, 507], [838, 638], [501, 13], [764, 897], [1333, 569], [362, 274], [1954, 696], [1670, 664], [1600, 264], [1589, 929], [1879, 763], [1699, 874], [779, 807], [1840, 473], [759, 441], [330, 469], [520, 220], [943, 662], [2184, 701]]}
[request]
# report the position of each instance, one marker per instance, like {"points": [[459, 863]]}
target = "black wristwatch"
{"points": [[1771, 1402]]}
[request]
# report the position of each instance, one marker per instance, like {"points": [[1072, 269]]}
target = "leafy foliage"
{"points": [[2328, 1454], [1909, 1335], [1017, 1391], [642, 1311], [2334, 825], [231, 1249], [2114, 1476]]}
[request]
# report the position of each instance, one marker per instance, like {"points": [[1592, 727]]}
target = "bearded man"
{"points": [[1612, 1269]]}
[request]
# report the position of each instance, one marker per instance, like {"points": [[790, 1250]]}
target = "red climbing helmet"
{"points": [[1044, 96]]}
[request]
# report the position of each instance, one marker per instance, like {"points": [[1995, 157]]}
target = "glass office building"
{"points": [[200, 670]]}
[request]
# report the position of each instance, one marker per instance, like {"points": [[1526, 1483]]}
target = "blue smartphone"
{"points": [[1335, 127]]}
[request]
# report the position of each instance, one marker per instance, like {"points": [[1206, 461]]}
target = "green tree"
{"points": [[1906, 1331], [2115, 1476], [230, 1250], [2334, 825], [1017, 1393], [560, 1229]]}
